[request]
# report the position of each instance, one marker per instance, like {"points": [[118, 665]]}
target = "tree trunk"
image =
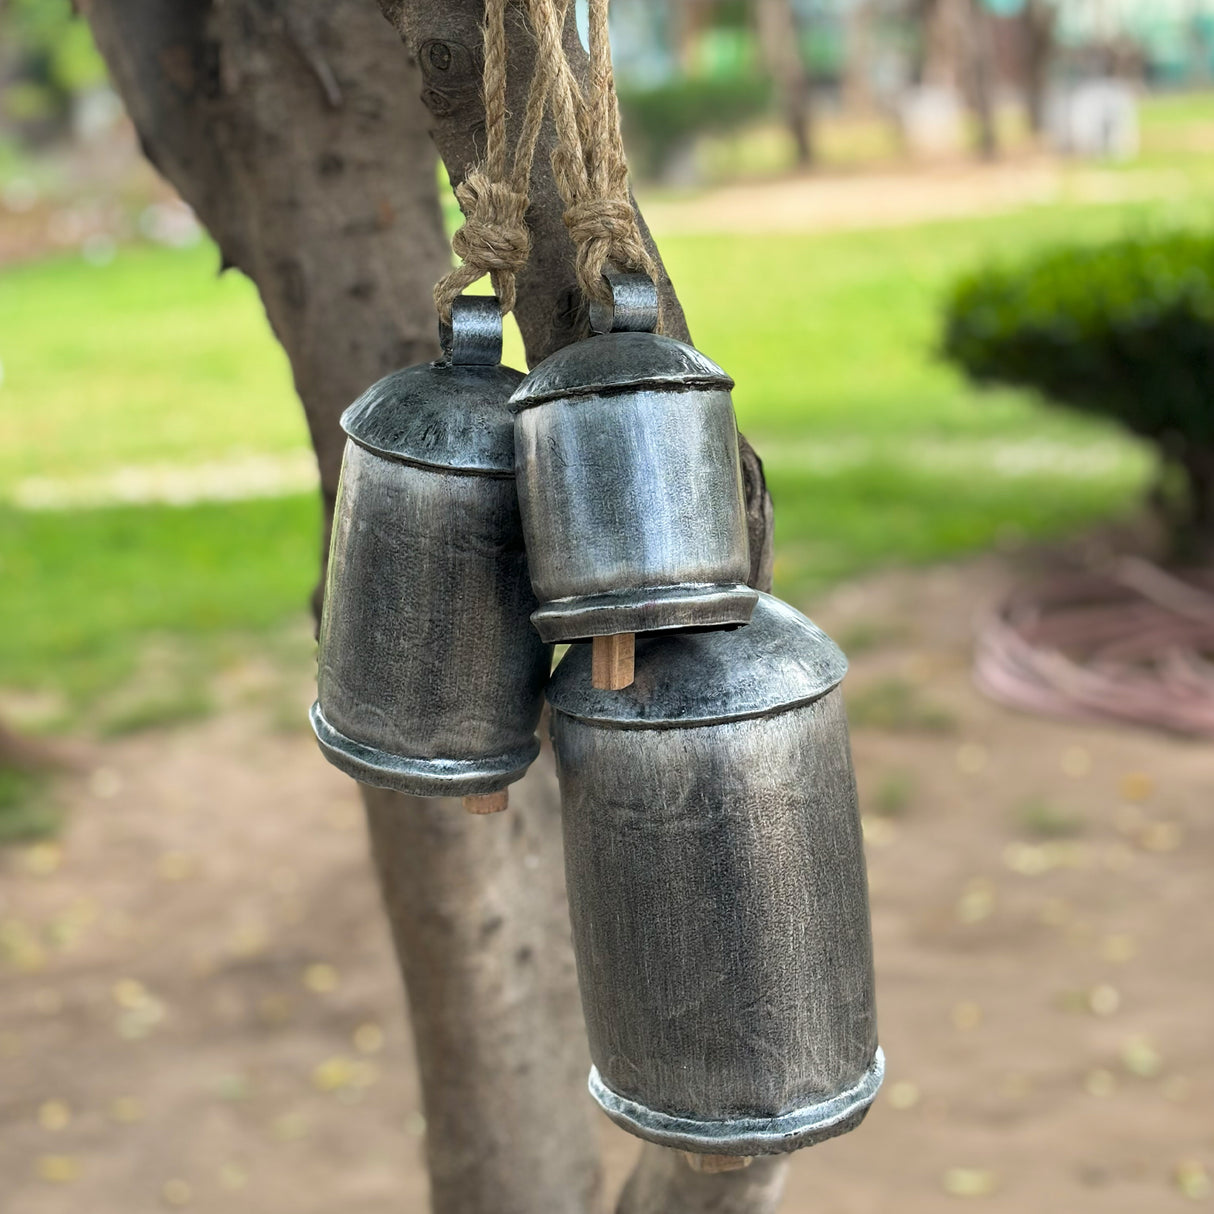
{"points": [[857, 88], [980, 77], [1038, 22], [294, 132], [1197, 530], [293, 128], [780, 39]]}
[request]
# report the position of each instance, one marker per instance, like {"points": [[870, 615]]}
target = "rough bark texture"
{"points": [[780, 39], [478, 913], [293, 128], [294, 132]]}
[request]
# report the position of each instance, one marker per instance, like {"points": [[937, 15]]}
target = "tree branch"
{"points": [[446, 37], [663, 1183]]}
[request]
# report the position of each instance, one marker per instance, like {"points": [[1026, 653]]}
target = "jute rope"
{"points": [[588, 164], [494, 238]]}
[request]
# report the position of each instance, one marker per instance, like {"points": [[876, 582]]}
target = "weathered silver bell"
{"points": [[431, 676], [718, 893], [630, 481]]}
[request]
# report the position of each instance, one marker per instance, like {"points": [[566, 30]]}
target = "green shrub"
{"points": [[659, 120], [1124, 330]]}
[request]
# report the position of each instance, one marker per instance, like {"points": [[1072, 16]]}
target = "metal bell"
{"points": [[431, 677], [629, 481], [716, 875]]}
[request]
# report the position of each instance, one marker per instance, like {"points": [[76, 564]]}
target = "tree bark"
{"points": [[663, 1183], [1038, 21], [478, 912], [980, 77], [293, 128], [780, 39], [294, 132]]}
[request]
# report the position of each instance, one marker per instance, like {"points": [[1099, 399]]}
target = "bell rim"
{"points": [[791, 1131], [416, 776], [645, 609]]}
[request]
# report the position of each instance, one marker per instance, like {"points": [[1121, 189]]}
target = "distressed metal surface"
{"points": [[619, 362], [718, 891], [474, 335], [633, 510], [630, 481], [439, 415], [431, 677]]}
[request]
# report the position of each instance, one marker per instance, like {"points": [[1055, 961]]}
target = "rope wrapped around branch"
{"points": [[588, 163], [494, 238]]}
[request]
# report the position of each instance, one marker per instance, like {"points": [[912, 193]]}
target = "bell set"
{"points": [[713, 850]]}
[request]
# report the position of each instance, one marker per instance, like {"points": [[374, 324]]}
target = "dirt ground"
{"points": [[198, 1005]]}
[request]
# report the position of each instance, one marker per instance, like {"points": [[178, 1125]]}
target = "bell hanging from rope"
{"points": [[431, 677], [717, 888], [630, 486]]}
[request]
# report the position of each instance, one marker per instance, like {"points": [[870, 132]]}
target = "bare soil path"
{"points": [[198, 1006]]}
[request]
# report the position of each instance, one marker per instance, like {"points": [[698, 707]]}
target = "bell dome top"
{"points": [[776, 662], [441, 415], [619, 362]]}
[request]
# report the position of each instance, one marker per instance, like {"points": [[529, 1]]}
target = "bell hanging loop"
{"points": [[473, 335], [633, 307]]}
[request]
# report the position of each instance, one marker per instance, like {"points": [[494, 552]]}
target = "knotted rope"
{"points": [[494, 238], [588, 163]]}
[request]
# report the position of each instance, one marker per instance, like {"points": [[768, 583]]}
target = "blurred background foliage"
{"points": [[1123, 330], [48, 59]]}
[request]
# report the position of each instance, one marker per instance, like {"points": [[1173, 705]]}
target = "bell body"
{"points": [[718, 893], [630, 486], [431, 677]]}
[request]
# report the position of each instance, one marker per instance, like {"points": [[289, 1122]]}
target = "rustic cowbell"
{"points": [[630, 481], [431, 677], [719, 900]]}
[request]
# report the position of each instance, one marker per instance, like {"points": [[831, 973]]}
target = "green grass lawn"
{"points": [[876, 452]]}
